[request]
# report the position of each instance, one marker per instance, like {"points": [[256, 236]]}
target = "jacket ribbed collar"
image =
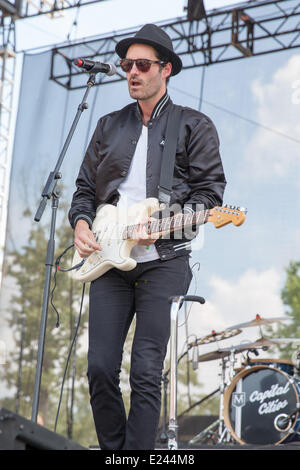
{"points": [[158, 108]]}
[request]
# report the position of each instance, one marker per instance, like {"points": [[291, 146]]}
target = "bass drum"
{"points": [[282, 364], [254, 402]]}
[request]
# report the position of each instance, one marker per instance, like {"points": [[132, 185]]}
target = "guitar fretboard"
{"points": [[169, 224]]}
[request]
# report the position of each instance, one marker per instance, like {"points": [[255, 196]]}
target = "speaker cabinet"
{"points": [[18, 433]]}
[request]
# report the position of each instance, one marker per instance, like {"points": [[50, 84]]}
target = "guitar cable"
{"points": [[58, 268], [68, 358], [64, 270]]}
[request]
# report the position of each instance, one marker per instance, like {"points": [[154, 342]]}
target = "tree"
{"points": [[27, 268], [291, 298]]}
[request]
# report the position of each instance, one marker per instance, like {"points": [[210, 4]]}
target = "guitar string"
{"points": [[166, 224]]}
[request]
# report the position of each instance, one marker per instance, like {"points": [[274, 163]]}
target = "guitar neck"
{"points": [[170, 224]]}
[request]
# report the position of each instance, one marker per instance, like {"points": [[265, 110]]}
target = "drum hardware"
{"points": [[207, 434], [232, 425], [224, 434], [296, 361], [217, 430], [283, 422], [210, 433], [222, 430], [195, 354], [212, 337], [282, 364], [261, 405]]}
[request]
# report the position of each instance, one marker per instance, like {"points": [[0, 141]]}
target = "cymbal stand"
{"points": [[221, 403], [216, 428], [231, 364], [223, 431], [208, 432]]}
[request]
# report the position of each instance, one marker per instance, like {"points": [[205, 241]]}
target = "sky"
{"points": [[255, 106]]}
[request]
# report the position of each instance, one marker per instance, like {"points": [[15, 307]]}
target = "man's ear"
{"points": [[167, 70]]}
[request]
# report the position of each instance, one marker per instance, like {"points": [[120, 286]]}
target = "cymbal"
{"points": [[260, 343], [214, 336], [220, 353], [284, 340], [258, 321], [213, 355]]}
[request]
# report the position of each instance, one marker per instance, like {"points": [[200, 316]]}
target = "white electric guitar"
{"points": [[113, 229]]}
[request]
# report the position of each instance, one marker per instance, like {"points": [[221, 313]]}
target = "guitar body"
{"points": [[108, 226], [113, 228]]}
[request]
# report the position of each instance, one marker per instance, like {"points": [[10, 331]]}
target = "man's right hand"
{"points": [[84, 240]]}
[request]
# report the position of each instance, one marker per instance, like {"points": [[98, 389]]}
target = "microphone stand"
{"points": [[50, 191]]}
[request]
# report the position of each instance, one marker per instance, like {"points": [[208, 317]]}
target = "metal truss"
{"points": [[28, 8], [7, 75], [245, 30]]}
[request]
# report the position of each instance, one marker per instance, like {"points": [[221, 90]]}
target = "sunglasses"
{"points": [[143, 65]]}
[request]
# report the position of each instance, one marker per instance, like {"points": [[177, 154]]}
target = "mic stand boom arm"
{"points": [[49, 192]]}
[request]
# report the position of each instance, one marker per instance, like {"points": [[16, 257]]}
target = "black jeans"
{"points": [[114, 299]]}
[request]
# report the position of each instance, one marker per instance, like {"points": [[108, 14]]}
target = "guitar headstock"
{"points": [[224, 215]]}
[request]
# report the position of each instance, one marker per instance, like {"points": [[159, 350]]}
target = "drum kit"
{"points": [[259, 401]]}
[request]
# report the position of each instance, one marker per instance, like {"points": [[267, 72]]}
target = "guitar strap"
{"points": [[168, 158]]}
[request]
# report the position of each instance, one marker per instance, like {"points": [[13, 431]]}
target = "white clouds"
{"points": [[233, 302], [269, 154]]}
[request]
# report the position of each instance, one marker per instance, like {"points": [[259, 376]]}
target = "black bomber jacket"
{"points": [[198, 174]]}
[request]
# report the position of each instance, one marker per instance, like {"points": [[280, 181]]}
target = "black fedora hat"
{"points": [[156, 37]]}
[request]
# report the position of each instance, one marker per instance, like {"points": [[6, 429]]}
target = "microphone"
{"points": [[95, 67]]}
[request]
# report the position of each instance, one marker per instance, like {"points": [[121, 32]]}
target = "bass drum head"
{"points": [[282, 364], [253, 401]]}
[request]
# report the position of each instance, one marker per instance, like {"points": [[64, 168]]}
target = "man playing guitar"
{"points": [[121, 168]]}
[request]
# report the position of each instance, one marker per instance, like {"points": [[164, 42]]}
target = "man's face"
{"points": [[146, 85]]}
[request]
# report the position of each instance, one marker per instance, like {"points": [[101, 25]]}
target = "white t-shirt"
{"points": [[133, 190]]}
